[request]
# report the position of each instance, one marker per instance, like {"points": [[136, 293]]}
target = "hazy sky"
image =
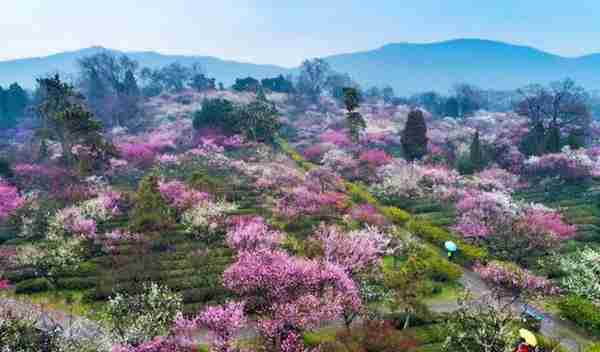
{"points": [[286, 31]]}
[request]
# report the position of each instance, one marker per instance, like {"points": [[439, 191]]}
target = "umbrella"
{"points": [[529, 337], [450, 246]]}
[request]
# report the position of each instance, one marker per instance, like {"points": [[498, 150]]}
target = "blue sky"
{"points": [[286, 31]]}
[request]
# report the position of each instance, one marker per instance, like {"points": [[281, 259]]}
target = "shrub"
{"points": [[442, 270], [34, 285], [467, 253], [582, 312], [76, 283], [396, 215], [593, 348]]}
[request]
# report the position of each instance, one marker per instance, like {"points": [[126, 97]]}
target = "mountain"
{"points": [[407, 67], [411, 68], [25, 71]]}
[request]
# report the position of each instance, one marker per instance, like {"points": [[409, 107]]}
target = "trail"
{"points": [[552, 326]]}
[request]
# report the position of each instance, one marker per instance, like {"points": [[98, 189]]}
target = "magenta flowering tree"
{"points": [[290, 295], [10, 200], [223, 322], [367, 214], [510, 279], [181, 196], [356, 251], [251, 234], [303, 200], [374, 158]]}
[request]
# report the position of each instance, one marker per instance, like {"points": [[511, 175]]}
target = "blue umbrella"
{"points": [[450, 246]]}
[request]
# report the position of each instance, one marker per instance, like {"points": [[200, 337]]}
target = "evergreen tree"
{"points": [[356, 123], [388, 94], [576, 139], [475, 153], [553, 141], [414, 136], [151, 212]]}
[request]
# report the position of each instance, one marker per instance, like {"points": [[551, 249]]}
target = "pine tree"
{"points": [[151, 212], [576, 139], [475, 153], [414, 136], [356, 123]]}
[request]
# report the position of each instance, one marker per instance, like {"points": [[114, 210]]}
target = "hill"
{"points": [[408, 67]]}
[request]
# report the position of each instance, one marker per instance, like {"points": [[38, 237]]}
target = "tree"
{"points": [[248, 84], [469, 99], [356, 123], [336, 82], [257, 121], [151, 212], [111, 88], [408, 285], [486, 326], [201, 83], [13, 103], [562, 105], [214, 113], [65, 120], [414, 136], [278, 84], [313, 78], [388, 94], [475, 153], [553, 140]]}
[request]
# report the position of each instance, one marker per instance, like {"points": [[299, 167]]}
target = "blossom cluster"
{"points": [[10, 200], [582, 273], [181, 196], [515, 279], [207, 217], [568, 164], [252, 233]]}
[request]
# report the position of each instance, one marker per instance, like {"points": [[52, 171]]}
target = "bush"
{"points": [[34, 285], [582, 312], [593, 348], [396, 215], [76, 283], [442, 270], [467, 253]]}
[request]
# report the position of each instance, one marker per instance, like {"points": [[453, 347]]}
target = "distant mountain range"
{"points": [[409, 68]]}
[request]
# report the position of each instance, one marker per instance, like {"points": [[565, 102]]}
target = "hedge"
{"points": [[396, 215], [34, 285], [582, 312], [76, 283], [467, 253]]}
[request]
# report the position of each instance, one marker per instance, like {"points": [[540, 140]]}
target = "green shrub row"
{"points": [[34, 285], [582, 312], [467, 253], [205, 294]]}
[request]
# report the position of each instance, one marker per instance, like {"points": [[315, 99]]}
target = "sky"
{"points": [[285, 32]]}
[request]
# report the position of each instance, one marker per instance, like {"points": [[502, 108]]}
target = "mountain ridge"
{"points": [[408, 67]]}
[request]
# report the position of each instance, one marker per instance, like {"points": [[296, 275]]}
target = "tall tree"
{"points": [[356, 123], [414, 136], [313, 78], [388, 94], [562, 105], [65, 120], [475, 153]]}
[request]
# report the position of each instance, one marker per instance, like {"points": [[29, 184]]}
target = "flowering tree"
{"points": [[223, 322], [515, 281], [582, 273], [181, 196], [355, 251], [207, 217], [251, 234], [135, 320], [10, 200], [290, 294]]}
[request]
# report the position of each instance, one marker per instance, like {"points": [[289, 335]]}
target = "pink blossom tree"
{"points": [[251, 234], [10, 200]]}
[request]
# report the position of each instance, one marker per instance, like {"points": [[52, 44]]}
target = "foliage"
{"points": [[356, 123], [151, 212], [201, 83], [313, 78], [278, 84], [582, 272], [481, 326], [136, 319], [582, 312], [414, 136], [248, 84], [475, 154], [514, 280], [13, 102], [34, 285]]}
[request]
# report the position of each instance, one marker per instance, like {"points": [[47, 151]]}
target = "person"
{"points": [[523, 346]]}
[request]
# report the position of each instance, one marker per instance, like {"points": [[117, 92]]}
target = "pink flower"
{"points": [[180, 195], [10, 200], [252, 233], [375, 157]]}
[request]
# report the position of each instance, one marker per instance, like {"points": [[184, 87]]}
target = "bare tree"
{"points": [[562, 104]]}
